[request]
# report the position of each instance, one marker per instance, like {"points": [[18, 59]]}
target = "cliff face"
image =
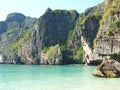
{"points": [[97, 31], [55, 26], [11, 31], [52, 28], [52, 56], [3, 27], [108, 37], [62, 36], [85, 31]]}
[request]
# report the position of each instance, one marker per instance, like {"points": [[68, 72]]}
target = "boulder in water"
{"points": [[108, 69]]}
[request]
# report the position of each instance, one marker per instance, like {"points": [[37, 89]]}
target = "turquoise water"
{"points": [[68, 77]]}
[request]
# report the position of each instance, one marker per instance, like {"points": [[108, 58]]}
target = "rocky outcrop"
{"points": [[108, 69], [97, 32], [52, 56], [108, 37], [80, 37], [84, 35], [14, 25], [89, 32], [12, 34], [15, 17], [3, 27], [98, 8], [52, 28]]}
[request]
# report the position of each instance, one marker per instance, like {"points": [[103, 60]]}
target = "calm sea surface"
{"points": [[67, 77]]}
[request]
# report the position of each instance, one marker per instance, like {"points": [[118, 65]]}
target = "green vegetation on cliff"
{"points": [[51, 52], [95, 15], [113, 6], [23, 37], [79, 55], [110, 11], [59, 36]]}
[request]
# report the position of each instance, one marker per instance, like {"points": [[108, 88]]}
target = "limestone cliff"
{"points": [[85, 31], [52, 56], [97, 31], [52, 28], [62, 36], [12, 31], [107, 41]]}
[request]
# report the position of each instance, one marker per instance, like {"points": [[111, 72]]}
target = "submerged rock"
{"points": [[108, 69]]}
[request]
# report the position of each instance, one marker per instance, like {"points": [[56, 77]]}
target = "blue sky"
{"points": [[35, 8]]}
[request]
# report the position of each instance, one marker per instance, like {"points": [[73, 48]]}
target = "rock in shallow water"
{"points": [[108, 69]]}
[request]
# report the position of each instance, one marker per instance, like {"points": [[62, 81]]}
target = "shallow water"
{"points": [[67, 77]]}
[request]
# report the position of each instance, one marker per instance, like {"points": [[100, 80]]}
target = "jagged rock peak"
{"points": [[15, 17], [48, 10]]}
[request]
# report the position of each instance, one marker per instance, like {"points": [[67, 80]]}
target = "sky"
{"points": [[36, 8]]}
